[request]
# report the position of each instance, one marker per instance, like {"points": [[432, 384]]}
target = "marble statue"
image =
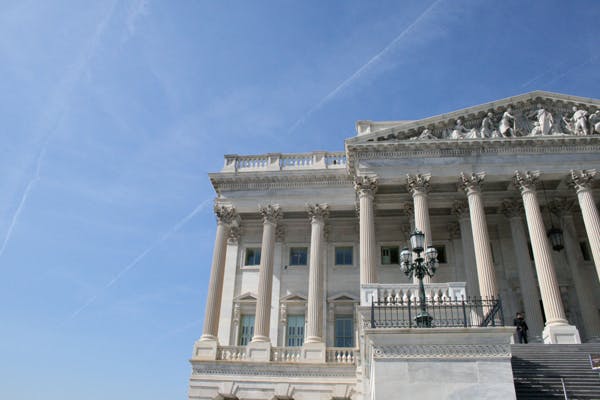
{"points": [[487, 126], [595, 121], [461, 132], [544, 118], [425, 135], [580, 121], [537, 129], [507, 124]]}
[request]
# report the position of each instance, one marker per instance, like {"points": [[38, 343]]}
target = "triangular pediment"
{"points": [[292, 298], [343, 297], [245, 298], [536, 113]]}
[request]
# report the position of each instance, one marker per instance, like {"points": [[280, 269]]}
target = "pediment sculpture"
{"points": [[533, 119]]}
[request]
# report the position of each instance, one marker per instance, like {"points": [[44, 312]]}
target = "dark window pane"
{"points": [[390, 255], [252, 256], [344, 331], [343, 255], [298, 256]]}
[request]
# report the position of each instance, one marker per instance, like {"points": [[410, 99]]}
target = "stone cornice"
{"points": [[272, 369], [470, 147], [442, 351], [279, 180]]}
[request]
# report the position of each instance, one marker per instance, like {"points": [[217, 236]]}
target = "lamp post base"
{"points": [[423, 320]]}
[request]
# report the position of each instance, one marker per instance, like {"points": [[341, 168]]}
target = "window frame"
{"points": [[244, 260], [346, 246], [241, 335], [306, 256], [349, 336], [389, 246], [298, 339]]}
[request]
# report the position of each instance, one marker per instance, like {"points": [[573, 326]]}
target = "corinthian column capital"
{"points": [[511, 208], [527, 181], [234, 234], [460, 208], [366, 185], [418, 183], [225, 214], [471, 183], [560, 206], [271, 213], [582, 180], [317, 212]]}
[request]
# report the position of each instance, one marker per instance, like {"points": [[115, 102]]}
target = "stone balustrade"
{"points": [[394, 292], [334, 355], [341, 355], [283, 162], [231, 353]]}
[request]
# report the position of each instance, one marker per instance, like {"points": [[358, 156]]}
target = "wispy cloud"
{"points": [[51, 117], [141, 256], [360, 71], [137, 9]]}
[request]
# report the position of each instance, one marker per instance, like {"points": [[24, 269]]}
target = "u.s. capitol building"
{"points": [[309, 296]]}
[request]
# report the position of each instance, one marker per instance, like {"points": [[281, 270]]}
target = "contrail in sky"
{"points": [[58, 107], [357, 74], [143, 254]]}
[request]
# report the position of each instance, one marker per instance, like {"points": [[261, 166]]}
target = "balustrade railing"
{"points": [[456, 312], [341, 355], [231, 353], [286, 354], [393, 293]]}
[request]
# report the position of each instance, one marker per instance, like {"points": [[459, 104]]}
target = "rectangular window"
{"points": [[295, 330], [390, 255], [441, 249], [298, 255], [343, 255], [246, 329], [344, 331], [585, 251], [252, 256]]}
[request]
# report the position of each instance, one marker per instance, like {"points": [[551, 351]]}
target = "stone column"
{"points": [[557, 328], [513, 210], [231, 260], [225, 216], [486, 274], [206, 347], [418, 187], [314, 326], [271, 214], [574, 259], [366, 186], [582, 182], [460, 209]]}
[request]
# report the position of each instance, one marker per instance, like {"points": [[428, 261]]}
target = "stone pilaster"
{"points": [[271, 215], [231, 260], [225, 216], [513, 210], [365, 187], [582, 182], [486, 274], [544, 265], [574, 259], [418, 187], [461, 210], [314, 328]]}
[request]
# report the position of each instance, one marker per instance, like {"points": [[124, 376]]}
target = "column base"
{"points": [[561, 334], [259, 351], [205, 349], [314, 353]]}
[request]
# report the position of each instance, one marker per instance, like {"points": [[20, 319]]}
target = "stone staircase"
{"points": [[538, 369]]}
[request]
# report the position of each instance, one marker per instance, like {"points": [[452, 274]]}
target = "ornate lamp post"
{"points": [[420, 267]]}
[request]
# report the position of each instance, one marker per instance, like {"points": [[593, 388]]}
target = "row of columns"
{"points": [[418, 186]]}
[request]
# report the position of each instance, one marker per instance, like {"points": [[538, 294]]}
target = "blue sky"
{"points": [[113, 113]]}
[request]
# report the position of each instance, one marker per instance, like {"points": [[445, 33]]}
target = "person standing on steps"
{"points": [[522, 328]]}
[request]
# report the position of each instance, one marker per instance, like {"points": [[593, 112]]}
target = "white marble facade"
{"points": [[485, 184]]}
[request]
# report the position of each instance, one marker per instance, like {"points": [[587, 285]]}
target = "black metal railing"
{"points": [[465, 313]]}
